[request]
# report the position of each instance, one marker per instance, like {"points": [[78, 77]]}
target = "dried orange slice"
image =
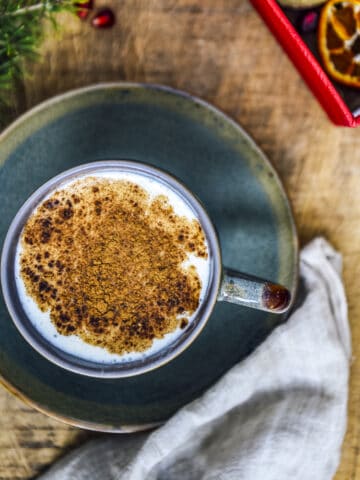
{"points": [[339, 40]]}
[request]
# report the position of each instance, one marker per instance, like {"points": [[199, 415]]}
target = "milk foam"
{"points": [[73, 344]]}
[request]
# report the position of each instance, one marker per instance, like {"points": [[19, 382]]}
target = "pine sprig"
{"points": [[21, 31]]}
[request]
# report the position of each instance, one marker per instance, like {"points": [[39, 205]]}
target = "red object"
{"points": [[310, 69], [309, 22], [83, 9], [105, 18]]}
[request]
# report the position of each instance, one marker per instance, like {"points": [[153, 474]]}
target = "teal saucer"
{"points": [[241, 191]]}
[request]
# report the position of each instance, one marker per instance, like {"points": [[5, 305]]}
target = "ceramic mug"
{"points": [[224, 284]]}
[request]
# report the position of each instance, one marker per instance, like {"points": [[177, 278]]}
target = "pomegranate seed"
{"points": [[83, 9], [309, 22], [105, 18]]}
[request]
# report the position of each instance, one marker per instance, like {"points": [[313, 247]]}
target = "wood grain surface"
{"points": [[221, 51]]}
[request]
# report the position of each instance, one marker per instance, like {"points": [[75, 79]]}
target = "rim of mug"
{"points": [[73, 363]]}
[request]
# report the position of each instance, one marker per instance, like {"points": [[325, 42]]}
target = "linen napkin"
{"points": [[278, 415]]}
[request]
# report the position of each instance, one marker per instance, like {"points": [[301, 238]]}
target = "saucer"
{"points": [[241, 191]]}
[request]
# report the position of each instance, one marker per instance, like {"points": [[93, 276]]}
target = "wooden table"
{"points": [[221, 51]]}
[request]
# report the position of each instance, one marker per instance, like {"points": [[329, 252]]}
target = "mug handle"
{"points": [[254, 292]]}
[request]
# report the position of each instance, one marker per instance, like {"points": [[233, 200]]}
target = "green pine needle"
{"points": [[21, 31]]}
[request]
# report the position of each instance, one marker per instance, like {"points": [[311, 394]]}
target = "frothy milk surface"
{"points": [[72, 343]]}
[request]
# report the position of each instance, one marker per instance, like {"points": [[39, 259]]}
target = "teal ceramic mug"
{"points": [[223, 284]]}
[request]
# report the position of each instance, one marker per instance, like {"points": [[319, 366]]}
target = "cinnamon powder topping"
{"points": [[106, 260]]}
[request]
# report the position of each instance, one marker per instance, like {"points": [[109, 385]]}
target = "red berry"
{"points": [[309, 22], [105, 18], [83, 8]]}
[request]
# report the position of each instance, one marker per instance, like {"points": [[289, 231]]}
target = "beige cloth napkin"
{"points": [[278, 415]]}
